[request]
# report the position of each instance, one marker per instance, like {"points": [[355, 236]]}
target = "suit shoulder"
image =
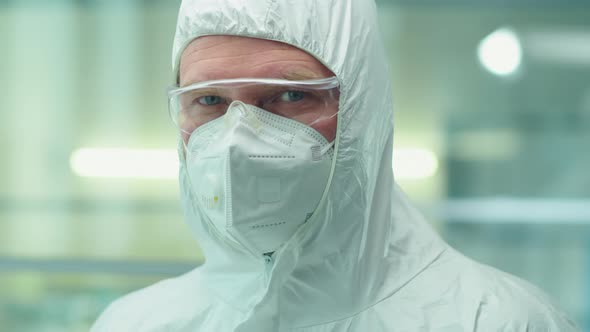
{"points": [[157, 307], [508, 303]]}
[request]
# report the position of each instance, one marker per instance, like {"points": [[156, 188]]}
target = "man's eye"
{"points": [[210, 100], [292, 96]]}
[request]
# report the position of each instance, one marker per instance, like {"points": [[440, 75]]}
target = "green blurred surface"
{"points": [[39, 302]]}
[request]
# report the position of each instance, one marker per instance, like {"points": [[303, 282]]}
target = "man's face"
{"points": [[222, 57]]}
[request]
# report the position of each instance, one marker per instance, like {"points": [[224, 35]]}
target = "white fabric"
{"points": [[247, 171], [366, 261]]}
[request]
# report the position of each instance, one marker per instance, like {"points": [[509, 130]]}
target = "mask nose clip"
{"points": [[239, 111], [237, 108]]}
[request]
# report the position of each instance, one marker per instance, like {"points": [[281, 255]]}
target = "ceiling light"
{"points": [[500, 52]]}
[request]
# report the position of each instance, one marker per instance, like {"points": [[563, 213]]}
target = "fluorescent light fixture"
{"points": [[163, 164], [125, 163], [500, 52], [414, 164]]}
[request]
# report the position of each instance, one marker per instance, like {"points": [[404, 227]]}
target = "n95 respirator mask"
{"points": [[256, 177]]}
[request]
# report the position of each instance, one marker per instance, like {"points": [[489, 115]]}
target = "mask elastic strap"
{"points": [[327, 147]]}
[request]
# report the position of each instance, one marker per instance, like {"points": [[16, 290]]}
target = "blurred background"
{"points": [[492, 102]]}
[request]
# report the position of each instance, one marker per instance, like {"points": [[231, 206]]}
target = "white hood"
{"points": [[366, 261], [339, 258]]}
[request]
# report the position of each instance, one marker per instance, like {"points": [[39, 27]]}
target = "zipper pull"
{"points": [[268, 262], [268, 258]]}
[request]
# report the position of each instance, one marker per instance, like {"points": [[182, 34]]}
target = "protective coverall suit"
{"points": [[366, 261]]}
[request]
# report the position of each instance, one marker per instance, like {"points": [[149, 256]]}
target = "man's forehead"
{"points": [[221, 57]]}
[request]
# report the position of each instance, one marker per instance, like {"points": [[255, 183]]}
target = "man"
{"points": [[285, 122]]}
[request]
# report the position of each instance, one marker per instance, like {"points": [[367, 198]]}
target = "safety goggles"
{"points": [[306, 101]]}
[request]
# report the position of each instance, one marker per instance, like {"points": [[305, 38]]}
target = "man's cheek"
{"points": [[327, 127]]}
